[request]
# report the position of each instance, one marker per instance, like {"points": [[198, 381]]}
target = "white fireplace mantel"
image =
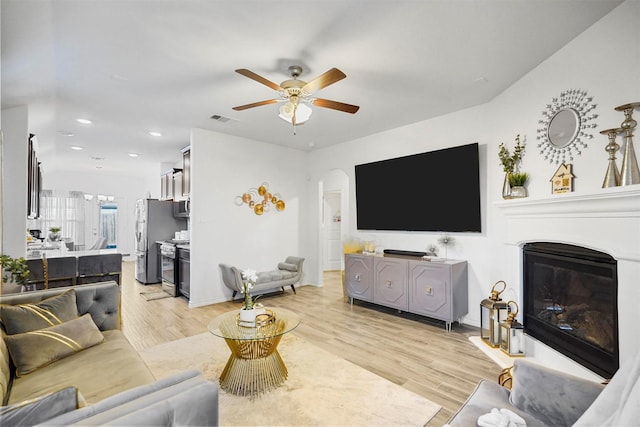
{"points": [[607, 221]]}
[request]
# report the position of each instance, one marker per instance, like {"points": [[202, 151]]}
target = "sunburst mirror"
{"points": [[565, 126]]}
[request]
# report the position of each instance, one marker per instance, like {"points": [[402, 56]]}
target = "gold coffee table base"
{"points": [[254, 367]]}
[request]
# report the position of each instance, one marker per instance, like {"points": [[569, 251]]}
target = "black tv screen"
{"points": [[433, 191]]}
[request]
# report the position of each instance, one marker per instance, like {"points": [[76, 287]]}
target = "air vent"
{"points": [[220, 118]]}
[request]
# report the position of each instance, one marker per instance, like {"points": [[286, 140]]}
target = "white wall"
{"points": [[127, 188], [604, 61], [15, 139], [224, 167]]}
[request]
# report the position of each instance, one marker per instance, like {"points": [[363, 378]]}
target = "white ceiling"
{"points": [[137, 65]]}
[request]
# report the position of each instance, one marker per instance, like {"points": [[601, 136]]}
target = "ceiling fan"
{"points": [[298, 93]]}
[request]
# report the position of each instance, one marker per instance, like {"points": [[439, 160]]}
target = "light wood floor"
{"points": [[412, 351]]}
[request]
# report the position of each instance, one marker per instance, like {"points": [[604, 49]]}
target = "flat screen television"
{"points": [[433, 191]]}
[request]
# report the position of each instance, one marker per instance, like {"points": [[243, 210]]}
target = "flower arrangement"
{"points": [[249, 279], [510, 161]]}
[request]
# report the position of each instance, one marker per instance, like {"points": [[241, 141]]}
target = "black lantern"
{"points": [[512, 333], [493, 311]]}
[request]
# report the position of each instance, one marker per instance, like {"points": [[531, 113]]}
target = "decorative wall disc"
{"points": [[565, 126]]}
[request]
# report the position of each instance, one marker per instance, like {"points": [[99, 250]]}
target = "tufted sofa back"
{"points": [[101, 300]]}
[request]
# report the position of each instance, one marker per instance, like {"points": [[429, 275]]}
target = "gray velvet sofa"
{"points": [[541, 396], [287, 273], [83, 370]]}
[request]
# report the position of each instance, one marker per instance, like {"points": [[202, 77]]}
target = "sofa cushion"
{"points": [[34, 349], [29, 317], [287, 266], [186, 398], [5, 369], [40, 409], [486, 396], [99, 372], [554, 397]]}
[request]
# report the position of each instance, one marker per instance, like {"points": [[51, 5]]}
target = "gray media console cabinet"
{"points": [[436, 289]]}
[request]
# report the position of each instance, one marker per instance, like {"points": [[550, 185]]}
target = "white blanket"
{"points": [[501, 418]]}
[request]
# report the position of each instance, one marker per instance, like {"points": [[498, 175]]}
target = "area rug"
{"points": [[321, 390], [154, 295]]}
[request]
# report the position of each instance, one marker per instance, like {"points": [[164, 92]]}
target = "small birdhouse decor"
{"points": [[562, 179]]}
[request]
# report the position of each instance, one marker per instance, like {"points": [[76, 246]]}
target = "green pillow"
{"points": [[41, 409], [29, 317], [35, 349]]}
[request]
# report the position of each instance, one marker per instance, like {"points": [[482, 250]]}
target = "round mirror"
{"points": [[563, 127], [566, 126]]}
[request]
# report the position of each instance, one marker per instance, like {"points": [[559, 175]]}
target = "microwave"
{"points": [[181, 209]]}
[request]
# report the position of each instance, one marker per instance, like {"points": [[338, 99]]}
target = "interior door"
{"points": [[332, 221]]}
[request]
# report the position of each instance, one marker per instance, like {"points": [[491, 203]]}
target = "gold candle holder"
{"points": [[630, 174], [612, 177]]}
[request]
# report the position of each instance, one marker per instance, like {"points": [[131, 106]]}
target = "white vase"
{"points": [[248, 315]]}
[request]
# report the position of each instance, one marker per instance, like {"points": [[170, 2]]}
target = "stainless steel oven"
{"points": [[169, 268]]}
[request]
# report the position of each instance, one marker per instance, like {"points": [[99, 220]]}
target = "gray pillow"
{"points": [[21, 318], [287, 266], [41, 409], [35, 349]]}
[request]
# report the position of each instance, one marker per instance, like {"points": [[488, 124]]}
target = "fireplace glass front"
{"points": [[571, 303]]}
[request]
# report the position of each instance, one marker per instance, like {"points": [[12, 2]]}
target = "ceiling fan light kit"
{"points": [[298, 95]]}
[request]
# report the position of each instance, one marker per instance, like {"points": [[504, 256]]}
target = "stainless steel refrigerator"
{"points": [[154, 222]]}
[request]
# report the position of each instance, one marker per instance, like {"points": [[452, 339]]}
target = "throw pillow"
{"points": [[39, 410], [21, 318], [287, 266], [35, 349]]}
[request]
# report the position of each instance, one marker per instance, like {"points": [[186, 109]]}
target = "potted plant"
{"points": [[510, 163], [54, 234], [517, 180], [14, 270]]}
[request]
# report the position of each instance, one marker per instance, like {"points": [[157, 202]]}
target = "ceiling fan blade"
{"points": [[255, 104], [258, 78], [335, 105], [324, 80]]}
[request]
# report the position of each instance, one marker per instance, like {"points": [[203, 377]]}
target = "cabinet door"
{"points": [[390, 283], [184, 273], [358, 277], [186, 170], [177, 186], [430, 290]]}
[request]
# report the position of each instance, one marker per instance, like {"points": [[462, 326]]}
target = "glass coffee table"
{"points": [[254, 366]]}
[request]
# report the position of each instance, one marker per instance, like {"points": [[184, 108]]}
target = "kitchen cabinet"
{"points": [[34, 180], [178, 182], [436, 289], [184, 271], [167, 184], [186, 172]]}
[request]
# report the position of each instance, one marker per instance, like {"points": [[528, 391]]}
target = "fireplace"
{"points": [[570, 298]]}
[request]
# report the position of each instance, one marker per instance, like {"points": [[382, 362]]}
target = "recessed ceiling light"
{"points": [[77, 148], [155, 133], [65, 133], [133, 155], [84, 121]]}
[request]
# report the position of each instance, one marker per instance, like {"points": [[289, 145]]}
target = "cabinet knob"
{"points": [[357, 277], [429, 291], [388, 283]]}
